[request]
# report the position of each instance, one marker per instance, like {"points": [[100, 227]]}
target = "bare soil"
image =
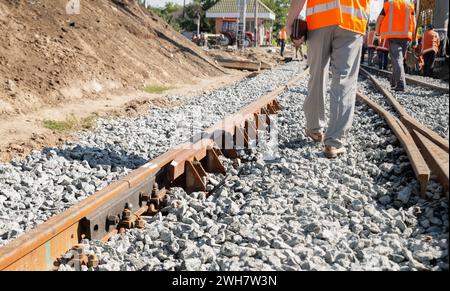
{"points": [[54, 64]]}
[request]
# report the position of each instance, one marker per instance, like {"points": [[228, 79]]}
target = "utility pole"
{"points": [[256, 24], [241, 26], [184, 8], [198, 23]]}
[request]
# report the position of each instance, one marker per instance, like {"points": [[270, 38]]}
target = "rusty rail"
{"points": [[433, 147], [418, 164], [409, 80], [119, 205]]}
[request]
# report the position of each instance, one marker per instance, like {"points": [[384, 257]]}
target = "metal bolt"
{"points": [[140, 223], [112, 219], [92, 261], [126, 214]]}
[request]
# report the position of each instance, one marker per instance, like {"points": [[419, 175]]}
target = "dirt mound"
{"points": [[49, 57]]}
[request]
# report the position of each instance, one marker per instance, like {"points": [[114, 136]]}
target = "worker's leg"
{"points": [[429, 58], [318, 50], [404, 47], [282, 42], [385, 59], [398, 71], [425, 64], [432, 60], [345, 56], [380, 59], [301, 52], [370, 56], [363, 53]]}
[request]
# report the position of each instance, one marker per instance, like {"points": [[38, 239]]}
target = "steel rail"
{"points": [[409, 80], [119, 205], [407, 119], [418, 163], [433, 147]]}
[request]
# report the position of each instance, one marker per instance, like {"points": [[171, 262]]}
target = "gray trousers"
{"points": [[342, 49], [397, 50]]}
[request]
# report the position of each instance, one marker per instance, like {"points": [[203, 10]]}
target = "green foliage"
{"points": [[280, 8], [71, 123], [168, 13], [173, 14], [156, 89]]}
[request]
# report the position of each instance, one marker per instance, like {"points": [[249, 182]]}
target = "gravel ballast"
{"points": [[49, 181], [298, 211], [427, 106]]}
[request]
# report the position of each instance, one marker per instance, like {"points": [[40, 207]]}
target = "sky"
{"points": [[375, 7]]}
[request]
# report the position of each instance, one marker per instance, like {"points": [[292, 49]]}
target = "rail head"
{"points": [[39, 248]]}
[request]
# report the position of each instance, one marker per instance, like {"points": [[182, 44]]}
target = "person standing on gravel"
{"points": [[336, 30], [282, 37], [430, 47], [397, 23]]}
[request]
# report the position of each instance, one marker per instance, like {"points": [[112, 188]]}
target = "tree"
{"points": [[168, 13], [280, 8], [198, 7], [192, 10]]}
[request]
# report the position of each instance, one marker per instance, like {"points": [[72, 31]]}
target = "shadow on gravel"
{"points": [[295, 144], [99, 157]]}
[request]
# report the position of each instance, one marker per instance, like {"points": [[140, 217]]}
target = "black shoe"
{"points": [[399, 89]]}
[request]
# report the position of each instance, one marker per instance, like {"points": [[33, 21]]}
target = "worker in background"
{"points": [[419, 56], [383, 53], [430, 47], [371, 47], [396, 22], [335, 34], [282, 37], [299, 49]]}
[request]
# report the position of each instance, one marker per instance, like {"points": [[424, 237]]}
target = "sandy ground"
{"points": [[23, 133]]}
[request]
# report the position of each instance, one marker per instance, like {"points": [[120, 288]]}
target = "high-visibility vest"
{"points": [[351, 15], [370, 39], [282, 34], [430, 41], [399, 20], [383, 44]]}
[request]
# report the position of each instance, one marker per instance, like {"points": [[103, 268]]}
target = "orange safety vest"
{"points": [[430, 41], [351, 15], [282, 34], [383, 45], [370, 38], [399, 21]]}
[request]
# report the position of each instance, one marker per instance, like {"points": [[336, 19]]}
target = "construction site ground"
{"points": [[95, 63]]}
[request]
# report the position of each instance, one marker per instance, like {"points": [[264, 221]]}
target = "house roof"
{"points": [[230, 9]]}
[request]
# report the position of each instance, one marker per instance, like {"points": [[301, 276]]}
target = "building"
{"points": [[226, 15]]}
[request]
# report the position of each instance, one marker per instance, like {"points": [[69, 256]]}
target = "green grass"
{"points": [[71, 123], [156, 89]]}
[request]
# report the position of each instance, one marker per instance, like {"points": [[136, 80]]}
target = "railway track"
{"points": [[120, 205], [426, 149], [409, 80]]}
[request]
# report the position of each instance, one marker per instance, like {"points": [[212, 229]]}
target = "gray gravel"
{"points": [[299, 211], [49, 181], [429, 107], [438, 82]]}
